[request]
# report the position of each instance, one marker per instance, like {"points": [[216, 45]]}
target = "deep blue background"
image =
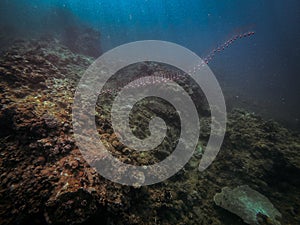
{"points": [[263, 68]]}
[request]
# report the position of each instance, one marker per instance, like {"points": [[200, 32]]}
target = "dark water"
{"points": [[259, 73]]}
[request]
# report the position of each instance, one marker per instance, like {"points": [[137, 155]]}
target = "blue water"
{"points": [[264, 67]]}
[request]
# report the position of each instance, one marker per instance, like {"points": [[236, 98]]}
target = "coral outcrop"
{"points": [[247, 204]]}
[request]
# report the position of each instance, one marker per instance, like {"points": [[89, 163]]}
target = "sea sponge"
{"points": [[247, 204]]}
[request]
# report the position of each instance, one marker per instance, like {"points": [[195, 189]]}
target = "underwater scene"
{"points": [[148, 112]]}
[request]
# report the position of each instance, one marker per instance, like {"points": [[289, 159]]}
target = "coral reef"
{"points": [[82, 40], [45, 180]]}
